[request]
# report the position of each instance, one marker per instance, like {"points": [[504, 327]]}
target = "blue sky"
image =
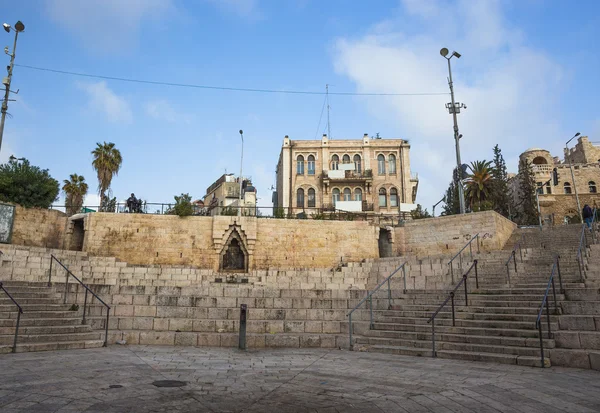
{"points": [[528, 74]]}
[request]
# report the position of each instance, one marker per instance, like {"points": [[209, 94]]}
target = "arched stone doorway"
{"points": [[385, 243], [234, 255]]}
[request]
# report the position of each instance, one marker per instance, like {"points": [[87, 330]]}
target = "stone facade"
{"points": [[558, 202], [39, 227], [316, 174], [225, 192]]}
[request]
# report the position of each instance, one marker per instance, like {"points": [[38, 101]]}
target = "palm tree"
{"points": [[75, 190], [107, 162], [479, 182]]}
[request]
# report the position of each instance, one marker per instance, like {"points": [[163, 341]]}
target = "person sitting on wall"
{"points": [[133, 204], [588, 215]]}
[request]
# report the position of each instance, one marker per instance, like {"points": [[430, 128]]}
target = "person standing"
{"points": [[588, 215]]}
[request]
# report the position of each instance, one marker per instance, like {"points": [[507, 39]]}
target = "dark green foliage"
{"points": [[27, 185], [527, 206], [451, 199], [229, 211], [499, 193], [183, 205], [108, 204], [419, 213], [279, 212]]}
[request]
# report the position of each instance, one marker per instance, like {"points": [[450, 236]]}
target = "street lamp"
{"points": [[19, 27], [241, 164], [573, 175], [454, 108]]}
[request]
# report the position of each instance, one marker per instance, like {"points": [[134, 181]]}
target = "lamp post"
{"points": [[573, 175], [454, 108], [19, 27], [241, 164]]}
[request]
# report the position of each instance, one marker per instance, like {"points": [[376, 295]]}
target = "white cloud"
{"points": [[103, 99], [510, 89], [163, 110], [247, 9], [106, 25]]}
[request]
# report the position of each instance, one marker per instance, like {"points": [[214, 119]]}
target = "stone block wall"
{"points": [[39, 227]]}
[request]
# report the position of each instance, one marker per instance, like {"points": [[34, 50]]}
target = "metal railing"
{"points": [[538, 321], [87, 290], [369, 297], [581, 252], [14, 347], [459, 254], [512, 256], [450, 298]]}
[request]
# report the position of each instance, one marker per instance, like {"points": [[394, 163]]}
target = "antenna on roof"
{"points": [[328, 123]]}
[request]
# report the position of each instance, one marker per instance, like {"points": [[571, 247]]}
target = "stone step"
{"points": [[461, 322], [532, 332], [36, 307], [465, 315], [52, 346], [40, 321], [6, 339], [46, 330], [5, 315]]}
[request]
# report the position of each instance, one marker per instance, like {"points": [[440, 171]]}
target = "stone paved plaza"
{"points": [[119, 379]]}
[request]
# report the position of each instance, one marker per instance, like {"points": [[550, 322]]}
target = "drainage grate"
{"points": [[169, 383], [115, 386]]}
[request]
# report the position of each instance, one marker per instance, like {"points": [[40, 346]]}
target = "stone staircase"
{"points": [[499, 323], [46, 323]]}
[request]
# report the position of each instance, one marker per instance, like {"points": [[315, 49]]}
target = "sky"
{"points": [[528, 75]]}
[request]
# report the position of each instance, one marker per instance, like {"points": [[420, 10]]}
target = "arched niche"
{"points": [[234, 255]]}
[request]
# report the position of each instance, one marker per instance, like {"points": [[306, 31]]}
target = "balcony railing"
{"points": [[347, 175], [541, 168]]}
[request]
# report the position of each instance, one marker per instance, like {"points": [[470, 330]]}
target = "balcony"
{"points": [[540, 169], [347, 176]]}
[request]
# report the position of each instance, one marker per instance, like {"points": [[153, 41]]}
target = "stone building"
{"points": [[558, 203], [225, 192], [361, 175]]}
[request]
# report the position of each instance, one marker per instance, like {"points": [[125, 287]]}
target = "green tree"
{"points": [[478, 183], [183, 205], [108, 204], [27, 185], [527, 213], [107, 162], [75, 190], [451, 198], [419, 213], [500, 195]]}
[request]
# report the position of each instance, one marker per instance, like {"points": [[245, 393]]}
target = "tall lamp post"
{"points": [[19, 27], [454, 108], [573, 175], [241, 164]]}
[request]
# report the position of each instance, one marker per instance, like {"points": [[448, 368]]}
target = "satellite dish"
{"points": [[444, 52]]}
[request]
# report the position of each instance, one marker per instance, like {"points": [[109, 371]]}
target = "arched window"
{"points": [[335, 161], [357, 165], [300, 165], [347, 194], [592, 186], [567, 188], [312, 201], [311, 165], [382, 197], [393, 197], [381, 164], [392, 163], [539, 160], [335, 195], [300, 198], [346, 159], [358, 194]]}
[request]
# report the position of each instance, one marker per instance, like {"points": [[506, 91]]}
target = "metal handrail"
{"points": [[538, 321], [87, 289], [459, 254], [580, 251], [513, 257], [369, 297], [14, 347], [451, 298]]}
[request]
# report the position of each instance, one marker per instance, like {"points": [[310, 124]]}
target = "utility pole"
{"points": [[241, 164], [19, 27], [573, 176], [454, 108], [327, 98]]}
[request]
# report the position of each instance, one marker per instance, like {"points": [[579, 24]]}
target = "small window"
{"points": [[335, 161], [381, 164], [312, 202], [358, 194], [346, 159], [300, 198], [540, 189], [311, 165], [382, 196], [548, 188], [393, 197], [300, 165], [335, 195], [347, 194], [392, 163], [592, 186], [357, 163], [567, 188]]}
